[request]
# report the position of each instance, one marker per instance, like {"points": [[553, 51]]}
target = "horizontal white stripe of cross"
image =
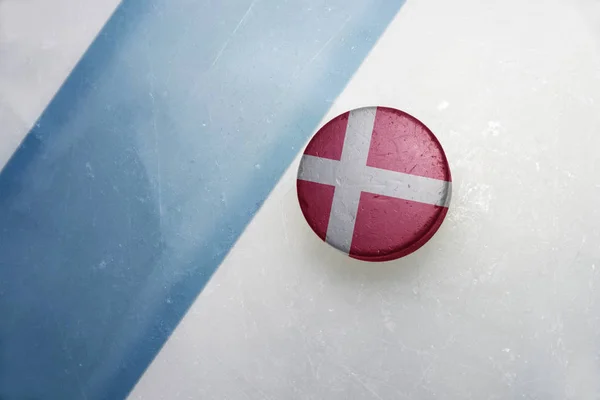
{"points": [[351, 176]]}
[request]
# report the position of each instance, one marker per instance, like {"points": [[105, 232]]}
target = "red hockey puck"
{"points": [[374, 183]]}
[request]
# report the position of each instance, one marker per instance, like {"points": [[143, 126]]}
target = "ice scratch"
{"points": [[357, 378], [157, 150], [226, 43], [336, 34]]}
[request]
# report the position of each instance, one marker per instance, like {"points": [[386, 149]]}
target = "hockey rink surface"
{"points": [[151, 242]]}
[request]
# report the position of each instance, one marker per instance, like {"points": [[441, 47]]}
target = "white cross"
{"points": [[351, 176]]}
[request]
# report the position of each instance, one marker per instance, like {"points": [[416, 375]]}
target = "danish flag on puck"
{"points": [[374, 183]]}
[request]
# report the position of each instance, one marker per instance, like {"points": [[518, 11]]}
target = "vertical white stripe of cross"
{"points": [[351, 176]]}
